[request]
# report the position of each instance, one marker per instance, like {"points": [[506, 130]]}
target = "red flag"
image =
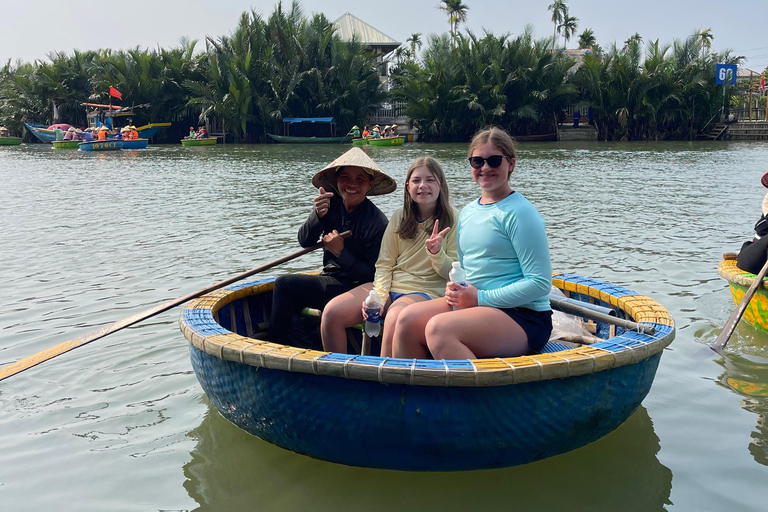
{"points": [[114, 92], [762, 82]]}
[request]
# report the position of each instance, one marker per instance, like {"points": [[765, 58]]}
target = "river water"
{"points": [[122, 424]]}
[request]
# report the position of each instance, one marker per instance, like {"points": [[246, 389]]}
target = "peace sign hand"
{"points": [[435, 242]]}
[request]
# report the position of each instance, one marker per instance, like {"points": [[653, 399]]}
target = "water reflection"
{"points": [[747, 375], [232, 470]]}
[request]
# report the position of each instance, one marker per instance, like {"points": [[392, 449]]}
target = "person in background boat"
{"points": [[393, 130], [342, 204], [134, 134], [376, 132], [102, 134], [366, 132], [4, 132], [59, 133], [415, 257], [355, 132], [70, 133], [754, 253], [203, 133], [503, 309], [88, 135], [192, 132]]}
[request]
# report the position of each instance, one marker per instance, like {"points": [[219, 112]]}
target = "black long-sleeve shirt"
{"points": [[357, 261]]}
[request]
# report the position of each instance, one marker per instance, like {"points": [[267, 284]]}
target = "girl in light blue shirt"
{"points": [[503, 311]]}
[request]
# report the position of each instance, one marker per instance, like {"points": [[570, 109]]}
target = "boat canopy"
{"points": [[291, 120]]}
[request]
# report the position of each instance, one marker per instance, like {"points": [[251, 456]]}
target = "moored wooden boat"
{"points": [[66, 144], [547, 137], [135, 143], [289, 139], [739, 282], [210, 141], [423, 414], [101, 145], [10, 141], [387, 141]]}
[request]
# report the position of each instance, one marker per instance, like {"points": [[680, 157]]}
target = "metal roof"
{"points": [[348, 26]]}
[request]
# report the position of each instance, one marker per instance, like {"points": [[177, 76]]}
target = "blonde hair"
{"points": [[409, 225], [497, 138]]}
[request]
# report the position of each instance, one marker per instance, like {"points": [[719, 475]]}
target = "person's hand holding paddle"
{"points": [[322, 202], [334, 242], [435, 242]]}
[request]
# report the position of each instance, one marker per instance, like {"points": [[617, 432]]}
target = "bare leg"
{"points": [[342, 311], [391, 318], [475, 333], [409, 340]]}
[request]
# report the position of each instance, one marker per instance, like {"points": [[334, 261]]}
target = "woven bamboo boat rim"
{"points": [[197, 322], [733, 274]]}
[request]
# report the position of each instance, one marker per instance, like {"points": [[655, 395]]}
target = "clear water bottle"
{"points": [[458, 276], [373, 310]]}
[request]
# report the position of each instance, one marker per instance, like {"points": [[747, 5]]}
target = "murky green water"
{"points": [[122, 424]]}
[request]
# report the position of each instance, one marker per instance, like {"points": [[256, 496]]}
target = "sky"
{"points": [[32, 29]]}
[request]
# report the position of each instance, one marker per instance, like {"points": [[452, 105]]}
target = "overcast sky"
{"points": [[31, 29]]}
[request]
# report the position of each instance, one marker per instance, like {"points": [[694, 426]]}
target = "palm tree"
{"points": [[559, 12], [568, 27], [587, 39], [457, 13], [705, 37], [415, 41], [635, 38]]}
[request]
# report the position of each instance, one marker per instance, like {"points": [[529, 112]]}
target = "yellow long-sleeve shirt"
{"points": [[406, 266]]}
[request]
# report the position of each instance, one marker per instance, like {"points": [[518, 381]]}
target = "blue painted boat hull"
{"points": [[135, 144], [42, 133], [105, 145], [427, 428]]}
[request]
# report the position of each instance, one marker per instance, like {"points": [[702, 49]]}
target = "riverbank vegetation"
{"points": [[291, 65]]}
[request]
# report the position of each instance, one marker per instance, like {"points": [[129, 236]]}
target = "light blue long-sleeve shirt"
{"points": [[504, 251]]}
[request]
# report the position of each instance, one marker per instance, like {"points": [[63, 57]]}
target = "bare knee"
{"points": [[438, 336]]}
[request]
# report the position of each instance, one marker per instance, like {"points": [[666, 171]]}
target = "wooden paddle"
{"points": [[579, 308], [730, 325], [29, 362]]}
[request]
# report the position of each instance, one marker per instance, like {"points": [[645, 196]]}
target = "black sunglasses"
{"points": [[493, 161]]}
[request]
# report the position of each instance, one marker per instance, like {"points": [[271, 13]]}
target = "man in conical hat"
{"points": [[342, 204]]}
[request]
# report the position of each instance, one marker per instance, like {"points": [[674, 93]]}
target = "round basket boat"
{"points": [[419, 414], [739, 282]]}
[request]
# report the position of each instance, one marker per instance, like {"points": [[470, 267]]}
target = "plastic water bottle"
{"points": [[458, 276], [373, 310]]}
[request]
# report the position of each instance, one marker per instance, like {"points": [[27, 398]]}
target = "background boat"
{"points": [[388, 141], [739, 282], [309, 140], [40, 131], [210, 141], [10, 141], [135, 143], [536, 138], [66, 144], [359, 142], [419, 414], [101, 145], [308, 128]]}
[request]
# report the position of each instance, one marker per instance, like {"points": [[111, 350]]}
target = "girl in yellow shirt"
{"points": [[407, 271]]}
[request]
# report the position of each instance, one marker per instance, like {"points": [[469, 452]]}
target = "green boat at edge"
{"points": [[10, 141]]}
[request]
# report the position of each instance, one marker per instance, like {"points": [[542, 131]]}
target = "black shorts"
{"points": [[536, 324]]}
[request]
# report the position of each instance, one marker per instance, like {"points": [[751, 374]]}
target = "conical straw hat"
{"points": [[355, 157]]}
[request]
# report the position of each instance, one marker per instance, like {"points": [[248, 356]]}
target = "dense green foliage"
{"points": [[289, 65], [286, 66], [522, 85]]}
